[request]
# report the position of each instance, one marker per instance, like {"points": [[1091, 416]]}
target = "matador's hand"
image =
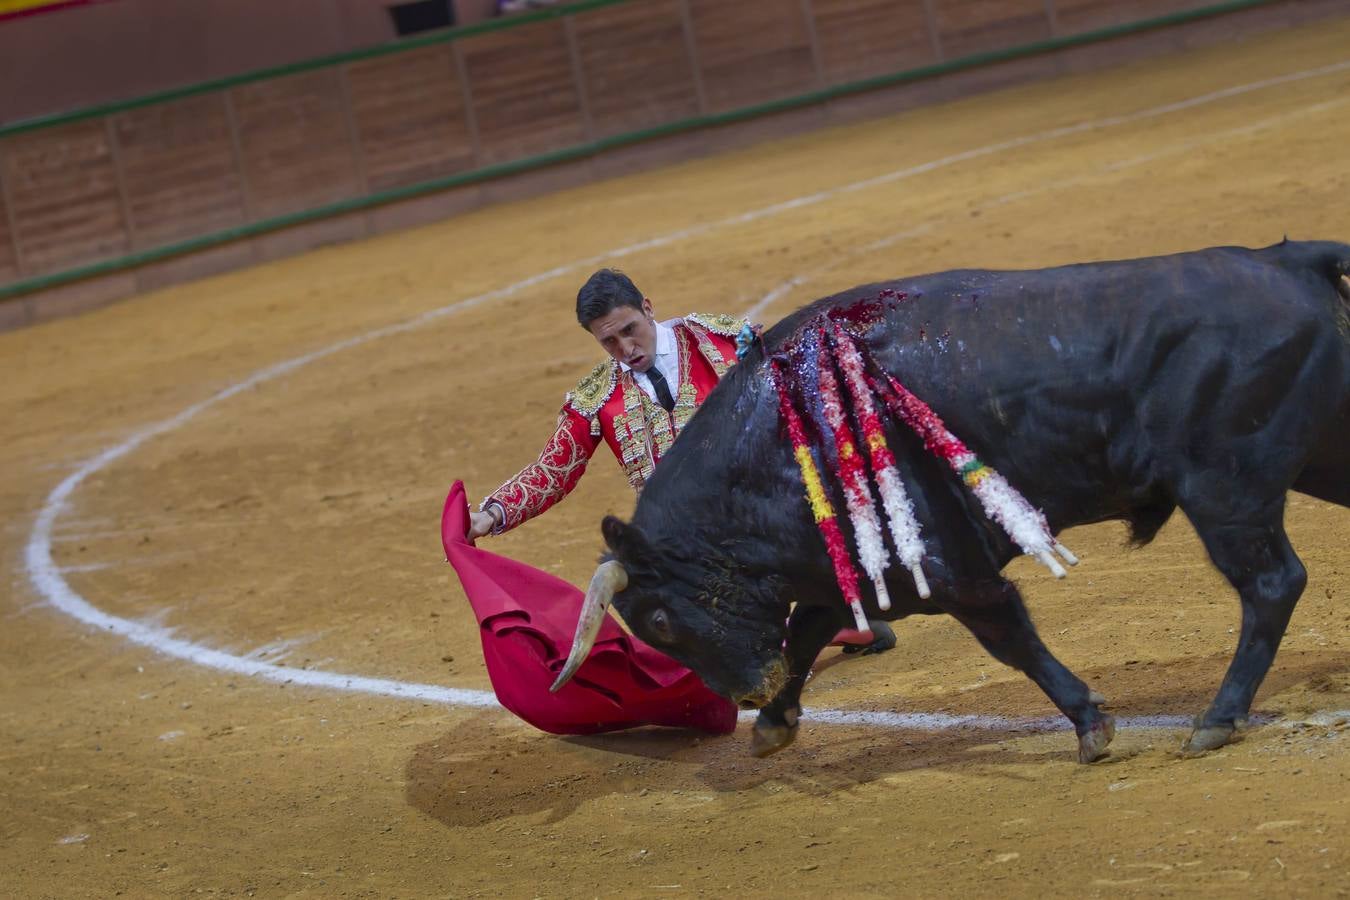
{"points": [[480, 523]]}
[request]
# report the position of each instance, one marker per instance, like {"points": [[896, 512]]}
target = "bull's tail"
{"points": [[1324, 475]]}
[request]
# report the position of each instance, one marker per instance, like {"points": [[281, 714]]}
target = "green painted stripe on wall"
{"points": [[593, 148]]}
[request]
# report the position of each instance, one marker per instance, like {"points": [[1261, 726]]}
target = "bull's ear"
{"points": [[625, 541]]}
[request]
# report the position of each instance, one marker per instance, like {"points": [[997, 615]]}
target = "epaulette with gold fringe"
{"points": [[727, 326], [592, 391]]}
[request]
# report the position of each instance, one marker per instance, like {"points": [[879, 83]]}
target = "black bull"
{"points": [[1213, 381]]}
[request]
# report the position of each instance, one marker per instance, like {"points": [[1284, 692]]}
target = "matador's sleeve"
{"points": [[551, 477]]}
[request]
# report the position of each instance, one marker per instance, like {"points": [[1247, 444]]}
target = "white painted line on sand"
{"points": [[46, 576]]}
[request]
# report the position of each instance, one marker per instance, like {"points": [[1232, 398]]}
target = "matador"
{"points": [[637, 402]]}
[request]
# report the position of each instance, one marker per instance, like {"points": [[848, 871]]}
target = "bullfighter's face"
{"points": [[628, 335], [726, 629]]}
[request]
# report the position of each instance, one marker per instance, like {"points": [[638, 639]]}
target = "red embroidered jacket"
{"points": [[609, 405]]}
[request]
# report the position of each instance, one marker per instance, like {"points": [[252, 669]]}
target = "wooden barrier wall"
{"points": [[136, 179]]}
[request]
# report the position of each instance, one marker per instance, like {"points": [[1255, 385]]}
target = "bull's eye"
{"points": [[659, 622]]}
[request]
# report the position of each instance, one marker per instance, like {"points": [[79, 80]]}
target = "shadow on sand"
{"points": [[491, 768]]}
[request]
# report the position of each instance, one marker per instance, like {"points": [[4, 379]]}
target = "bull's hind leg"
{"points": [[1259, 562], [810, 628], [998, 618]]}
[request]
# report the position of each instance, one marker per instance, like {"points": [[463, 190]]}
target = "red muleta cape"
{"points": [[527, 619]]}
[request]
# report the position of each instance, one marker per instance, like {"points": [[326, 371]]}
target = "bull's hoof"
{"points": [[1205, 738], [770, 735], [1095, 698], [1092, 743]]}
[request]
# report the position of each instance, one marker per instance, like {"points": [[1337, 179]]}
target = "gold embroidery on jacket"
{"points": [[630, 430], [710, 351], [544, 482], [720, 323], [644, 429], [592, 391]]}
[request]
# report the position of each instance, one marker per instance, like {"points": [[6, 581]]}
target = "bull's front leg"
{"points": [[995, 614], [810, 629]]}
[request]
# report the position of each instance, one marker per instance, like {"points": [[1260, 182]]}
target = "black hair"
{"points": [[604, 292]]}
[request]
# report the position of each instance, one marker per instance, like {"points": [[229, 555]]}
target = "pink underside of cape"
{"points": [[527, 619]]}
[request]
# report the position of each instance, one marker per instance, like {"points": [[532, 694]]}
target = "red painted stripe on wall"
{"points": [[15, 9]]}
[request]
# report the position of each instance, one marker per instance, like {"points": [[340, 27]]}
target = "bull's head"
{"points": [[707, 613]]}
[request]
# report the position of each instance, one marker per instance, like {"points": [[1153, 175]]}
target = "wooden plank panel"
{"points": [[410, 117], [864, 38], [297, 153], [636, 66], [752, 51], [977, 26], [9, 263], [14, 313], [179, 168], [1077, 16], [523, 95], [63, 185]]}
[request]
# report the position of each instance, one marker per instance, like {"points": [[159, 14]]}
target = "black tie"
{"points": [[662, 389]]}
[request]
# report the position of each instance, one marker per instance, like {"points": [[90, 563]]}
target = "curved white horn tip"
{"points": [[609, 578], [563, 677]]}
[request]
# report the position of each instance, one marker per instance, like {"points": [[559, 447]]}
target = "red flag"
{"points": [[527, 619]]}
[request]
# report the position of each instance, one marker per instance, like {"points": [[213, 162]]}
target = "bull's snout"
{"points": [[772, 680]]}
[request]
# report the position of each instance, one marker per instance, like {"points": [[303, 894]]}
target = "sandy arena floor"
{"points": [[294, 522]]}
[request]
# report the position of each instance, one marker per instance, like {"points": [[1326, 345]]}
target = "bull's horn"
{"points": [[609, 578]]}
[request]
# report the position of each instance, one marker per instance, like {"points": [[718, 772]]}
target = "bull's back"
{"points": [[1102, 389]]}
